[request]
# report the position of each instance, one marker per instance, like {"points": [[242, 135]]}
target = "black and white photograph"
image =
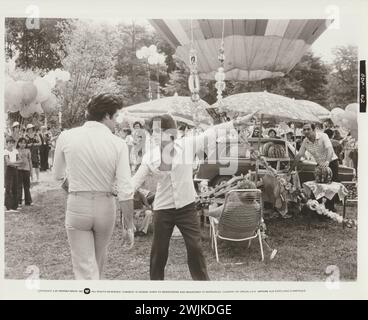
{"points": [[179, 148]]}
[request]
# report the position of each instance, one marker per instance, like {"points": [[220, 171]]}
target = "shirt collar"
{"points": [[318, 136], [96, 124]]}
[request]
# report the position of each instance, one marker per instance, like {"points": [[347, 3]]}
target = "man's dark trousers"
{"points": [[187, 221]]}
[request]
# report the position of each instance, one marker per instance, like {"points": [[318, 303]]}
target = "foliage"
{"points": [[90, 58], [40, 48], [306, 81], [343, 78]]}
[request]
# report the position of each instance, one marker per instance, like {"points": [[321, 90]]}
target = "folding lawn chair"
{"points": [[241, 219]]}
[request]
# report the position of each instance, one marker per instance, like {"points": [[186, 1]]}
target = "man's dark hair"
{"points": [[138, 123], [167, 122], [21, 140], [272, 130], [183, 127], [101, 105], [337, 135], [10, 140], [127, 131], [329, 132], [312, 125]]}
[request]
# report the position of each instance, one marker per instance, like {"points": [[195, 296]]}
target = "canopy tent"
{"points": [[255, 49]]}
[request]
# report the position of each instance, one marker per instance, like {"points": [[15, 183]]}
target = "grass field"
{"points": [[36, 236]]}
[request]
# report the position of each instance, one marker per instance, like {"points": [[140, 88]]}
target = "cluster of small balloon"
{"points": [[150, 53], [347, 118], [29, 97]]}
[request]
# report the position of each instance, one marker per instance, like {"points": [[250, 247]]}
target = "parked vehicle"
{"points": [[212, 167]]}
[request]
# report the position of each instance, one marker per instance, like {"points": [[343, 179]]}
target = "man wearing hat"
{"points": [[15, 131], [33, 144]]}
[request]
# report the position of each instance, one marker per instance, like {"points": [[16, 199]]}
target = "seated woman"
{"points": [[245, 200], [256, 133], [273, 134]]}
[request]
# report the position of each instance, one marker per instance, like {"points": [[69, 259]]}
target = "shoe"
{"points": [[286, 216], [29, 204], [12, 211]]}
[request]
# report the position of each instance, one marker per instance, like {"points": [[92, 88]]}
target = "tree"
{"points": [[343, 78], [40, 48], [178, 83], [307, 81], [91, 51]]}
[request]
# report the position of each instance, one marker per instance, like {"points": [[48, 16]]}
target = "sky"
{"points": [[341, 33]]}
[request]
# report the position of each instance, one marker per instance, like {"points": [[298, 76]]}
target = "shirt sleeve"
{"points": [[141, 174], [6, 156], [209, 137], [59, 165], [328, 145], [123, 176], [302, 149]]}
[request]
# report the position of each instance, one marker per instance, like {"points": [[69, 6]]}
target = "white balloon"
{"points": [[162, 59], [43, 89], [336, 111], [152, 48], [145, 52], [50, 104], [10, 66], [351, 116], [336, 114], [50, 77], [14, 107], [354, 133], [50, 80], [65, 75], [39, 108], [26, 111], [151, 60], [139, 54], [29, 92], [352, 107], [13, 92]]}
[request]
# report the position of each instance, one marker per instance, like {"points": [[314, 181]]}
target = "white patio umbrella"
{"points": [[321, 112], [271, 106], [181, 108]]}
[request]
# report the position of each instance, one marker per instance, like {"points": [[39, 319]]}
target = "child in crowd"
{"points": [[33, 144], [11, 159], [24, 173]]}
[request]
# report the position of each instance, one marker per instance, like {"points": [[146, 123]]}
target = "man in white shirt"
{"points": [[320, 147], [93, 159], [171, 160]]}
